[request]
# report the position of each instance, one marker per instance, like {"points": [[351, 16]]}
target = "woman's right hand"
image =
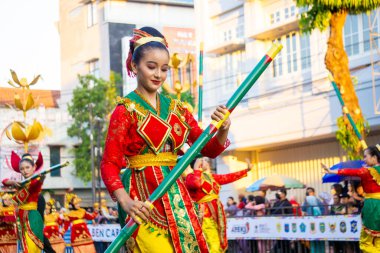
{"points": [[137, 210]]}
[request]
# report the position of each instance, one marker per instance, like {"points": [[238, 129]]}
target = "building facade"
{"points": [[95, 40], [286, 124]]}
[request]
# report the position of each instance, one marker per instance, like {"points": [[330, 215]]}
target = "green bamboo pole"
{"points": [[44, 172], [347, 112], [207, 134], [200, 87]]}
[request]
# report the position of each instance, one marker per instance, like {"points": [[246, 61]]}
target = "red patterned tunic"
{"points": [[30, 219], [126, 141], [51, 231], [80, 235], [204, 188]]}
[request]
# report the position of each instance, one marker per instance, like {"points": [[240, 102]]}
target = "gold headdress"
{"points": [[378, 147], [72, 198]]}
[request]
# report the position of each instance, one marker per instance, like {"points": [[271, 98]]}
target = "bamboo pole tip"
{"points": [[274, 50], [331, 78]]}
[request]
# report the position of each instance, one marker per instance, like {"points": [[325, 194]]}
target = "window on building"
{"points": [[92, 17], [277, 16], [55, 158], [272, 18], [296, 53], [240, 27], [232, 64], [351, 35], [367, 30], [305, 51], [292, 11], [93, 68], [277, 63], [286, 13], [291, 52]]}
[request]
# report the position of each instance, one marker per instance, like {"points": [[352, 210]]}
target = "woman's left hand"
{"points": [[218, 115]]}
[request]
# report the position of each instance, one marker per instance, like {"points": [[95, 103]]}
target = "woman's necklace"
{"points": [[156, 108]]}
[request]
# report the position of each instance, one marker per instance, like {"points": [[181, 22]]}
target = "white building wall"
{"points": [[296, 108]]}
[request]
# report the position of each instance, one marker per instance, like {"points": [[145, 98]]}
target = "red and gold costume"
{"points": [[31, 223], [81, 239], [8, 235], [30, 219], [370, 235], [146, 141], [204, 188], [51, 229]]}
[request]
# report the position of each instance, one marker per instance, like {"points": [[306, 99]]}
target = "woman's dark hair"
{"points": [[28, 158], [139, 52], [259, 200], [71, 204], [251, 198], [338, 188], [374, 151]]}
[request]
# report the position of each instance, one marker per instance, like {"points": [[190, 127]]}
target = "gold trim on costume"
{"points": [[161, 159], [79, 221], [28, 206], [208, 198], [145, 40], [375, 195], [375, 175], [52, 223]]}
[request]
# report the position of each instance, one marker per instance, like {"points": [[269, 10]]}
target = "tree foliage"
{"points": [[322, 14], [319, 12], [98, 94]]}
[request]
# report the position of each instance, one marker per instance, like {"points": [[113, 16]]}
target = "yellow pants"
{"points": [[368, 243], [31, 246], [210, 230], [151, 242]]}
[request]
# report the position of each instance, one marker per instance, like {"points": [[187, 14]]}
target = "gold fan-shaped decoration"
{"points": [[23, 134], [22, 83]]}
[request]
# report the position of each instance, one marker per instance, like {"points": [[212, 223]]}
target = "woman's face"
{"points": [[7, 202], [27, 169], [370, 160], [152, 69], [48, 208]]}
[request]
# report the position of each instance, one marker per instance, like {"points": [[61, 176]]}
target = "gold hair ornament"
{"points": [[145, 40]]}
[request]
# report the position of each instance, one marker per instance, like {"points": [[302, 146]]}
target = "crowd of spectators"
{"points": [[343, 199]]}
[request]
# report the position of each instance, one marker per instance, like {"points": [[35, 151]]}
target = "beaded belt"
{"points": [[28, 206], [161, 159]]}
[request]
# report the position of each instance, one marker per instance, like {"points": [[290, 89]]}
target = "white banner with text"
{"points": [[340, 227], [104, 232]]}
